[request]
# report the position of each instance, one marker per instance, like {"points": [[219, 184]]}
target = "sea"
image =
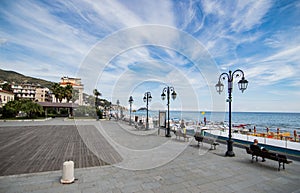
{"points": [[286, 122]]}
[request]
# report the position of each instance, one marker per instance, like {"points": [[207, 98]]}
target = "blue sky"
{"points": [[125, 48]]}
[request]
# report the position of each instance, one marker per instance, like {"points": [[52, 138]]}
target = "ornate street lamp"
{"points": [[243, 83], [130, 102], [167, 90], [118, 103], [109, 110], [147, 98]]}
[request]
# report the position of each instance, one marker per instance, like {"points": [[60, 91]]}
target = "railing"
{"points": [[261, 140]]}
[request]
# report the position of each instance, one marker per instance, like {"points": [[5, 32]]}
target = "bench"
{"points": [[139, 125], [179, 133], [257, 152], [209, 140]]}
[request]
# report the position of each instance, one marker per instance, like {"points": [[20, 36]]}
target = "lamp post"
{"points": [[109, 111], [118, 103], [147, 98], [243, 83], [130, 102], [168, 90]]}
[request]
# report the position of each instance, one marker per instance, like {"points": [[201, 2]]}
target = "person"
{"points": [[255, 147], [182, 126], [204, 121]]}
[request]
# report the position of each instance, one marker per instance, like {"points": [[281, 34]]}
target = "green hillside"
{"points": [[11, 76]]}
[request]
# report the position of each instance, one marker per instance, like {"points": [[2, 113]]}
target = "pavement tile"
{"points": [[191, 171], [150, 185]]}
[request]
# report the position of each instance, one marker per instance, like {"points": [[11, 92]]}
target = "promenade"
{"points": [[135, 161]]}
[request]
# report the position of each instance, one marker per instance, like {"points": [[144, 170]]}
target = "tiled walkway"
{"points": [[183, 168]]}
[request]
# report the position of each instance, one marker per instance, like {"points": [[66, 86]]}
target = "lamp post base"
{"points": [[229, 152], [168, 134]]}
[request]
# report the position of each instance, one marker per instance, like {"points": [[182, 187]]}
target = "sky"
{"points": [[126, 48]]}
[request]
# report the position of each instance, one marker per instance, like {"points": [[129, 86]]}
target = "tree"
{"points": [[96, 94], [68, 90], [7, 87], [56, 90], [60, 93], [11, 109], [31, 108]]}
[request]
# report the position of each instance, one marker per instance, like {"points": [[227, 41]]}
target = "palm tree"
{"points": [[96, 94], [55, 90], [68, 90], [60, 93], [31, 108]]}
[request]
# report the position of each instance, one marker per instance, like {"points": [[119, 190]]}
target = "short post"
{"points": [[68, 173]]}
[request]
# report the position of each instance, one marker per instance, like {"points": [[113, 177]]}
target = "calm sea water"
{"points": [[262, 120]]}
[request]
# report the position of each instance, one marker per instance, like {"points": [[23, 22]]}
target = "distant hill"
{"points": [[11, 76]]}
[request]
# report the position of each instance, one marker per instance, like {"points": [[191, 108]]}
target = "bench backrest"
{"points": [[255, 148]]}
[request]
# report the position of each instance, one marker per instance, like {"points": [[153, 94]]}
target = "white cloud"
{"points": [[54, 40], [2, 41], [249, 14]]}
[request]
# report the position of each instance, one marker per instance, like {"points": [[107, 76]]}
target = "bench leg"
{"points": [[253, 156], [279, 165], [213, 147]]}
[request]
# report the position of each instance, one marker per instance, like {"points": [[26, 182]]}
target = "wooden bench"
{"points": [[209, 140], [257, 152], [179, 133]]}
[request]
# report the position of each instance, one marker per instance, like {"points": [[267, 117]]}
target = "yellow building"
{"points": [[43, 95]]}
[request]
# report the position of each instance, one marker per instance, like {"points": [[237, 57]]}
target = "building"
{"points": [[5, 97], [34, 92], [77, 86], [43, 95], [24, 90]]}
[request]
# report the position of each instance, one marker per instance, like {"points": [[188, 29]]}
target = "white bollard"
{"points": [[68, 173]]}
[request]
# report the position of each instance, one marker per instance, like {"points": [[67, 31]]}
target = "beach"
{"points": [[261, 120], [136, 161]]}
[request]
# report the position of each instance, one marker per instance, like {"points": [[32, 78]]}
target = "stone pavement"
{"points": [[184, 168]]}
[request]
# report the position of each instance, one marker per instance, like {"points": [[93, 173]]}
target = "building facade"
{"points": [[32, 92], [43, 95], [24, 90], [5, 97], [77, 86]]}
